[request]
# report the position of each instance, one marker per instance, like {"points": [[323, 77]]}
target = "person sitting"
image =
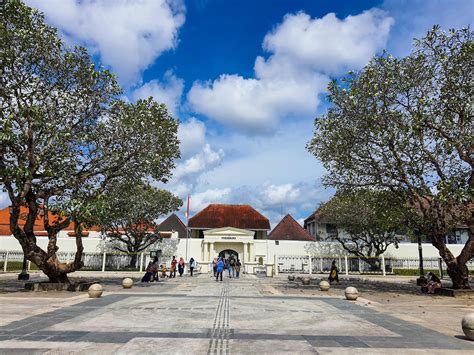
{"points": [[433, 283], [163, 270], [151, 271]]}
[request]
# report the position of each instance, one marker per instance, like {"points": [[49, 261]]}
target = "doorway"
{"points": [[227, 253]]}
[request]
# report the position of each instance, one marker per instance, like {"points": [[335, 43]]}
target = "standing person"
{"points": [[232, 265], [214, 266], [181, 264], [228, 267], [334, 273], [151, 270], [173, 267], [219, 268], [192, 265], [237, 267]]}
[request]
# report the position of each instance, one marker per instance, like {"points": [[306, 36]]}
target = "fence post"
{"points": [[321, 264], [383, 265], [103, 261], [275, 261], [5, 262], [29, 266], [141, 262], [440, 266], [346, 264], [310, 264]]}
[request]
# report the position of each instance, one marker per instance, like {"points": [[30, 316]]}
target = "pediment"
{"points": [[228, 231]]}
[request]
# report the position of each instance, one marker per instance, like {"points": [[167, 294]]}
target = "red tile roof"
{"points": [[289, 229], [237, 216], [38, 227]]}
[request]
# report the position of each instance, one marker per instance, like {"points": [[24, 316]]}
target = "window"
{"points": [[331, 229]]}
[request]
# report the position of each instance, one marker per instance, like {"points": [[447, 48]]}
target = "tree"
{"points": [[66, 136], [127, 215], [406, 125], [366, 222]]}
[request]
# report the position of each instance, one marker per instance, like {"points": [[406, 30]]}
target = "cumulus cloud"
{"points": [[201, 200], [168, 91], [192, 137], [195, 165], [278, 194], [303, 52], [127, 34]]}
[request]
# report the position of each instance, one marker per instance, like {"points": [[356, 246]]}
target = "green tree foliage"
{"points": [[366, 222], [127, 215], [406, 124], [66, 135]]}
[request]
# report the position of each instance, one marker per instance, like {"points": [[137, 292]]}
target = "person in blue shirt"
{"points": [[220, 268]]}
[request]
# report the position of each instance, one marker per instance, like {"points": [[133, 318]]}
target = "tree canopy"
{"points": [[406, 125], [66, 135], [127, 214]]}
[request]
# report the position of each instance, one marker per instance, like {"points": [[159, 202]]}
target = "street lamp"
{"points": [[421, 281]]}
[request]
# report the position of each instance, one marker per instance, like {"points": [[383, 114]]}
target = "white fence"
{"points": [[12, 261], [354, 265]]}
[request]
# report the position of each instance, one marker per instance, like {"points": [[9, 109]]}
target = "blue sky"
{"points": [[246, 79]]}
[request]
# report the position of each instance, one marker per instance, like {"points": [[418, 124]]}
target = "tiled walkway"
{"points": [[201, 316]]}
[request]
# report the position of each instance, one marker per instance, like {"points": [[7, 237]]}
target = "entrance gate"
{"points": [[228, 252]]}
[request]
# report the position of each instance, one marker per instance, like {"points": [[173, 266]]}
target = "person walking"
{"points": [[237, 267], [181, 265], [334, 273], [173, 267], [219, 268], [192, 265], [214, 266]]}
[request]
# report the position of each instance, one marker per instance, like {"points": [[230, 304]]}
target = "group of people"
{"points": [[151, 273], [231, 264]]}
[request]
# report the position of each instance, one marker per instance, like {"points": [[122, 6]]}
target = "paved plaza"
{"points": [[199, 316]]}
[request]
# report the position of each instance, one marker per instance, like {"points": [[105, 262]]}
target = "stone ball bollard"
{"points": [[468, 325], [291, 277], [127, 282], [306, 281], [351, 293], [324, 285], [95, 291]]}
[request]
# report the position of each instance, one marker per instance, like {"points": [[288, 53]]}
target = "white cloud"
{"points": [[201, 200], [327, 44], [278, 194], [168, 92], [127, 34], [197, 164], [288, 83], [192, 137], [414, 18]]}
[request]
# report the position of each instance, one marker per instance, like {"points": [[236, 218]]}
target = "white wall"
{"points": [[68, 244]]}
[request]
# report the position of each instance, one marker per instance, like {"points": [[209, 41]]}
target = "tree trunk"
{"points": [[133, 260], [456, 267]]}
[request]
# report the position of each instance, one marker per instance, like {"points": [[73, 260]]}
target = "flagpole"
{"points": [[187, 230]]}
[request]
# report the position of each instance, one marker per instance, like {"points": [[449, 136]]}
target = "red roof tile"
{"points": [[289, 229], [237, 216]]}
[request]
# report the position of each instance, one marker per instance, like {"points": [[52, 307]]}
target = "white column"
{"points": [[212, 252], [310, 264], [141, 262], [321, 264], [244, 257], [206, 251], [252, 252], [103, 261], [383, 265], [5, 262], [346, 264]]}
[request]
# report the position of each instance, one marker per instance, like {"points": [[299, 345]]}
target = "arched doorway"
{"points": [[228, 252]]}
